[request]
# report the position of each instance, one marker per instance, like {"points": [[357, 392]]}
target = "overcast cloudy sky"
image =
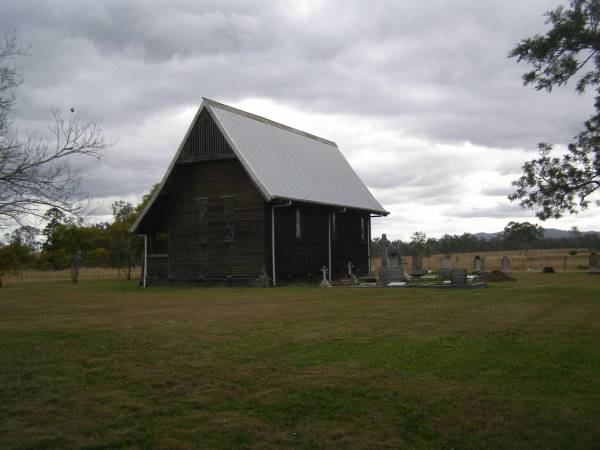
{"points": [[419, 96]]}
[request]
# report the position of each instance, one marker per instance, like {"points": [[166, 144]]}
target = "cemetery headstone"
{"points": [[392, 272], [477, 264], [417, 265], [445, 266], [594, 264], [505, 265], [385, 261], [350, 266], [395, 259], [458, 276]]}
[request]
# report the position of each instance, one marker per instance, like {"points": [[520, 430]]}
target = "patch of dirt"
{"points": [[495, 276]]}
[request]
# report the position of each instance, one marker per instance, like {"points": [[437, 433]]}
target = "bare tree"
{"points": [[10, 79], [35, 173]]}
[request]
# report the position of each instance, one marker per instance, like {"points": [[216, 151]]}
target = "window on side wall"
{"points": [[298, 223], [159, 243], [334, 228], [202, 217], [228, 218], [363, 229]]}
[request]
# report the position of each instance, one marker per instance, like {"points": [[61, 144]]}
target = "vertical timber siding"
{"points": [[204, 142], [207, 190], [297, 258], [191, 256], [349, 246]]}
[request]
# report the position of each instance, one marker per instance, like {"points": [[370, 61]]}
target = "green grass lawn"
{"points": [[104, 364]]}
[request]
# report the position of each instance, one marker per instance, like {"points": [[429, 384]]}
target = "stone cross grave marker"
{"points": [[505, 265], [385, 261], [324, 283], [594, 264]]}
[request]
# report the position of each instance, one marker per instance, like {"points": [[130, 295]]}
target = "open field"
{"points": [[104, 364], [534, 260], [85, 273]]}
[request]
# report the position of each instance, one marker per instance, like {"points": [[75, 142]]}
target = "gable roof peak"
{"points": [[283, 162]]}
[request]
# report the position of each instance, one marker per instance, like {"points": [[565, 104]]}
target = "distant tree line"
{"points": [[105, 244], [110, 244], [516, 236], [38, 182]]}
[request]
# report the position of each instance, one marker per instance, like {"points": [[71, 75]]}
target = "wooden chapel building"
{"points": [[249, 201]]}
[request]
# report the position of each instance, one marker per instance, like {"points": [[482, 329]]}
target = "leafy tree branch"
{"points": [[550, 185]]}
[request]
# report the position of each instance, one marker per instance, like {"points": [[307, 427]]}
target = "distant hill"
{"points": [[549, 233]]}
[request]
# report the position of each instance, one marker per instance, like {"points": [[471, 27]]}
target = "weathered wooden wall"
{"points": [[206, 177], [191, 210], [204, 141], [298, 258], [158, 266], [191, 256], [349, 244]]}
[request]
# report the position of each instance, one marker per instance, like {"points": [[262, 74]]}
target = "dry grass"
{"points": [[85, 273], [534, 260], [104, 364]]}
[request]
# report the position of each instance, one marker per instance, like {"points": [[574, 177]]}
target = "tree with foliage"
{"points": [[71, 239], [20, 251], [54, 217], [550, 185], [35, 173], [418, 244], [123, 242], [145, 199], [54, 258], [522, 234]]}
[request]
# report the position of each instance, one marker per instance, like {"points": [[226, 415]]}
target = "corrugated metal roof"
{"points": [[288, 163], [283, 162]]}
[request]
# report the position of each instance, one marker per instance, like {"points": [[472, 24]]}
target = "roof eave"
{"points": [[140, 217], [247, 166], [382, 211]]}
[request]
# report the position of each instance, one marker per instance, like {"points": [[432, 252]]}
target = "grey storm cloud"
{"points": [[497, 191], [438, 69], [435, 70], [502, 211]]}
